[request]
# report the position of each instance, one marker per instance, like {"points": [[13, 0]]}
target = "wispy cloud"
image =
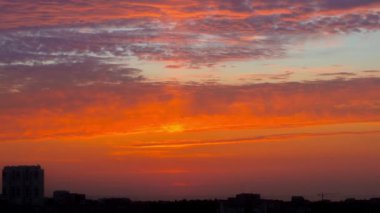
{"points": [[62, 107], [264, 138]]}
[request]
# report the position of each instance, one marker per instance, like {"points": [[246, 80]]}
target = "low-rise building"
{"points": [[65, 197]]}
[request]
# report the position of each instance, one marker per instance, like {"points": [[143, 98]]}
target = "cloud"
{"points": [[257, 139], [338, 75], [192, 33], [266, 77], [38, 77], [372, 71], [70, 110], [66, 68]]}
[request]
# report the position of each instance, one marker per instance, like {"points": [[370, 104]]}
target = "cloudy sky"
{"points": [[169, 99]]}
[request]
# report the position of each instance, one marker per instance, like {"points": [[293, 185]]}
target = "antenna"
{"points": [[323, 195]]}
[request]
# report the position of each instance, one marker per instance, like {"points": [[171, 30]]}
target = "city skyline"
{"points": [[166, 99], [25, 185]]}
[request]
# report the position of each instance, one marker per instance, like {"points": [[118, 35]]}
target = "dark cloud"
{"points": [[371, 71], [338, 74], [239, 6], [37, 77], [346, 4]]}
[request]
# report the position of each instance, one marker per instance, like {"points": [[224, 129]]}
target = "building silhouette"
{"points": [[64, 197], [241, 203], [23, 184]]}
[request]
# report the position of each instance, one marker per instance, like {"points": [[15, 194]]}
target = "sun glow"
{"points": [[172, 128]]}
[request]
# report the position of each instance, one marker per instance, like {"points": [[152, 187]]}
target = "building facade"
{"points": [[23, 184]]}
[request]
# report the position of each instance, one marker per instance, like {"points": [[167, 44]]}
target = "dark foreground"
{"points": [[242, 203]]}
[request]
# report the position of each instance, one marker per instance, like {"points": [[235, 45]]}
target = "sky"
{"points": [[173, 99]]}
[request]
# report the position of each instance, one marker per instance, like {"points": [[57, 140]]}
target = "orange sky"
{"points": [[340, 159], [92, 111], [201, 141], [193, 99]]}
